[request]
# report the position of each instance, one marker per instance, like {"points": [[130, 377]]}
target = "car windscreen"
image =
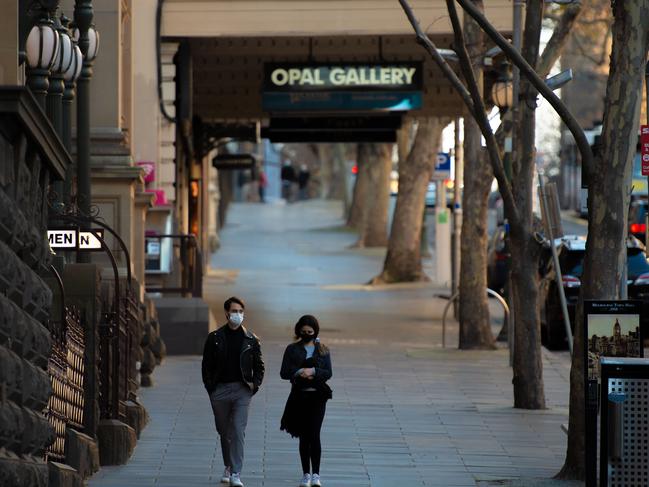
{"points": [[637, 263], [572, 262]]}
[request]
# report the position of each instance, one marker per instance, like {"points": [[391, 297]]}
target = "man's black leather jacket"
{"points": [[214, 356]]}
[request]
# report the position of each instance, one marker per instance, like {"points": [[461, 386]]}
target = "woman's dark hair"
{"points": [[312, 321], [233, 299]]}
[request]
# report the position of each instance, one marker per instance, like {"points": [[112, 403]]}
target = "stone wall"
{"points": [[25, 301]]}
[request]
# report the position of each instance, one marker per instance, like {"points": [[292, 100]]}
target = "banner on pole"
{"points": [[644, 149]]}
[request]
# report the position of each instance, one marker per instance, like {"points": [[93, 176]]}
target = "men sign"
{"points": [[75, 239], [63, 238]]}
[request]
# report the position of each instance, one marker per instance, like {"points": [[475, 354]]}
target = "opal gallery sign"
{"points": [[303, 77], [342, 86]]}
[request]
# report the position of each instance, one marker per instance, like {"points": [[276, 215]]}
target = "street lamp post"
{"points": [[71, 75], [56, 85], [56, 90], [88, 40], [42, 50]]}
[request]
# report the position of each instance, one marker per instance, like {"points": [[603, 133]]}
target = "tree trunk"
{"points": [[339, 152], [475, 326], [361, 188], [378, 162], [403, 258], [528, 365], [608, 199], [327, 170], [528, 362]]}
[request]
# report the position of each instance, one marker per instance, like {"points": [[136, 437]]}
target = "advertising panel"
{"points": [[611, 329]]}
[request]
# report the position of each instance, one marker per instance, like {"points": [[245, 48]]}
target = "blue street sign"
{"points": [[442, 166]]}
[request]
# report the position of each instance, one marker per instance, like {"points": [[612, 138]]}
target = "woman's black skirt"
{"points": [[298, 410]]}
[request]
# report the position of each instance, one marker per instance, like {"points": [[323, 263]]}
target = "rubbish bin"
{"points": [[624, 409]]}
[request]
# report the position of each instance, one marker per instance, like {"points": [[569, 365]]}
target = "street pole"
{"points": [[510, 154], [646, 79], [83, 15], [66, 114], [55, 107], [457, 213], [555, 259]]}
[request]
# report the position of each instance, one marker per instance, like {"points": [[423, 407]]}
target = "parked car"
{"points": [[571, 251], [497, 260], [431, 195]]}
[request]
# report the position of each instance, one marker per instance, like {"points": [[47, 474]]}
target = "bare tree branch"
{"points": [[424, 40], [480, 114], [537, 82], [557, 42]]}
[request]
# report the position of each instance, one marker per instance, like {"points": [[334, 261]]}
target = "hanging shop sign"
{"points": [[342, 87], [225, 162]]}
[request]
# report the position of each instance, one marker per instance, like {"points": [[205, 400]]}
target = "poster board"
{"points": [[611, 329]]}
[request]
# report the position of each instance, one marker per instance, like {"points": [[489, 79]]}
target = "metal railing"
{"points": [[65, 368], [508, 321], [191, 261]]}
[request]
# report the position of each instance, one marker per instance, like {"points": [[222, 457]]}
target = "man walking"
{"points": [[233, 370]]}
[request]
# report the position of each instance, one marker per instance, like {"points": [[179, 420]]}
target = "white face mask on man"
{"points": [[236, 318]]}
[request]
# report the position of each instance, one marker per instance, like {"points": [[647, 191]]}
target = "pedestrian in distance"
{"points": [[233, 370], [262, 184], [288, 177], [307, 364], [303, 182]]}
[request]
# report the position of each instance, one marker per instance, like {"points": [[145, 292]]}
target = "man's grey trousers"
{"points": [[230, 403]]}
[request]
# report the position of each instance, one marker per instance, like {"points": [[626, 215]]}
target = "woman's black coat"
{"points": [[294, 357]]}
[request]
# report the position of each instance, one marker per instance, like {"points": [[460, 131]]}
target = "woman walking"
{"points": [[307, 364]]}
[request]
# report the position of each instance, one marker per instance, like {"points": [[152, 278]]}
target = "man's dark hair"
{"points": [[233, 299]]}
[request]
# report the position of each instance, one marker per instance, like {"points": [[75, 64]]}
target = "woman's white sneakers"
{"points": [[225, 478], [315, 480], [235, 480], [306, 480]]}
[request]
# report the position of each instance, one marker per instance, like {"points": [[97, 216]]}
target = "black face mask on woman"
{"points": [[306, 338]]}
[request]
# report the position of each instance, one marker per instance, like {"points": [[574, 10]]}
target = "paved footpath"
{"points": [[405, 410]]}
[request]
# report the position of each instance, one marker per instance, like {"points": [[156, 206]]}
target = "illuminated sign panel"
{"points": [[360, 87]]}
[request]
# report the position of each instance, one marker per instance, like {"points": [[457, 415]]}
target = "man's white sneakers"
{"points": [[235, 480], [315, 480], [225, 478], [306, 480]]}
